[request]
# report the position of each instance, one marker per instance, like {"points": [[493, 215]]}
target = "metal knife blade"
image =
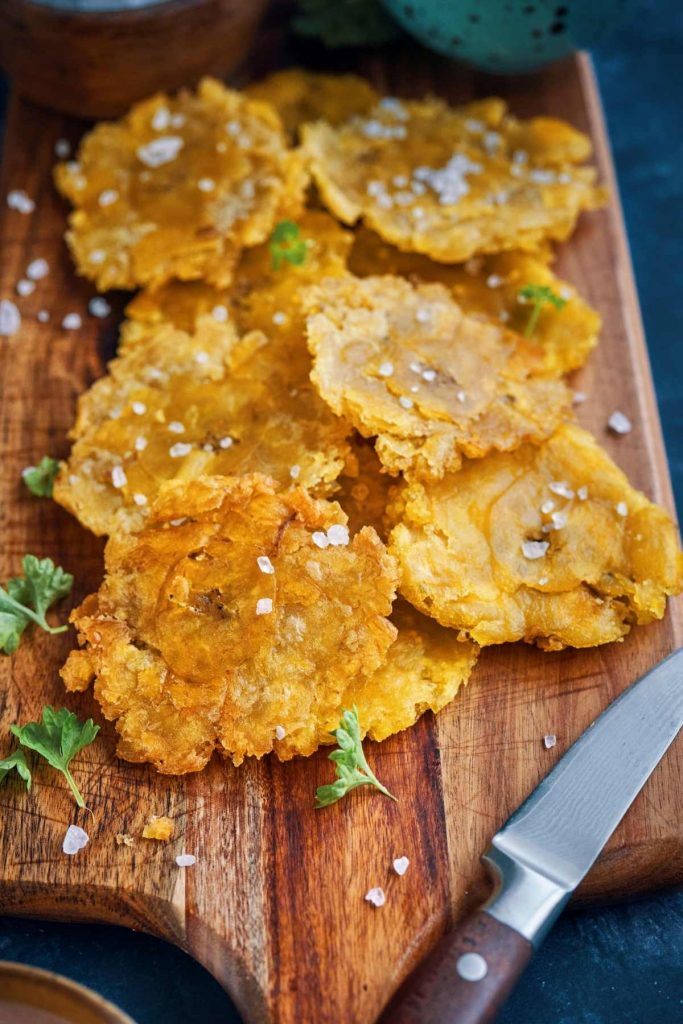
{"points": [[549, 844]]}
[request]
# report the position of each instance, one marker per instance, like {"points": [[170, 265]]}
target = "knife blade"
{"points": [[542, 853]]}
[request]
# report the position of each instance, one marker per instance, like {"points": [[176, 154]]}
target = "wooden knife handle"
{"points": [[466, 979]]}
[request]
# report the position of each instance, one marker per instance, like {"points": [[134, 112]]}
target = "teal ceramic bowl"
{"points": [[509, 35]]}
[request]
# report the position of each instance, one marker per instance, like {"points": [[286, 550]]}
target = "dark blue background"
{"points": [[622, 965]]}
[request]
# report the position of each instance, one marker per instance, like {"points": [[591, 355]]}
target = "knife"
{"points": [[542, 853]]}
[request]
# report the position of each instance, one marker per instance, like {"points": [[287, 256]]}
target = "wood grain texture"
{"points": [[274, 906]]}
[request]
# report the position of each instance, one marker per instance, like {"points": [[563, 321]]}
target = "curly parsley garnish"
{"points": [[352, 770], [540, 295], [58, 738], [287, 245], [16, 761], [27, 599], [39, 479]]}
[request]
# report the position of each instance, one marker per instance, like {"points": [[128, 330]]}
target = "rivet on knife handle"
{"points": [[467, 977]]}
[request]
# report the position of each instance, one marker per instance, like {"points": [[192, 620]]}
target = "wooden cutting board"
{"points": [[274, 906]]}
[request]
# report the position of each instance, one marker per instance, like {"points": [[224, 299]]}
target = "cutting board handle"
{"points": [[466, 979]]}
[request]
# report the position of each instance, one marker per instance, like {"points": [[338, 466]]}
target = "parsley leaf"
{"points": [[58, 738], [345, 22], [352, 769], [540, 295], [287, 245], [39, 479], [27, 599], [16, 760]]}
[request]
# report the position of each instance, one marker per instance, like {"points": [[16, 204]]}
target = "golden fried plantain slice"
{"points": [[236, 619], [364, 488], [424, 670], [451, 183], [300, 96], [259, 298], [402, 362], [179, 405], [548, 544], [489, 286], [177, 187]]}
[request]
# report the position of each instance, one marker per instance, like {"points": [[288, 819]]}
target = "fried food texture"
{"points": [[178, 406], [160, 828], [489, 286], [424, 670], [300, 96], [364, 489], [236, 620], [548, 544], [453, 182], [403, 362], [177, 187]]}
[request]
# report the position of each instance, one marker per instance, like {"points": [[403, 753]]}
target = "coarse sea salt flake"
{"points": [[42, 316], [265, 565], [547, 507], [550, 740], [178, 451], [279, 318], [429, 375], [140, 499], [320, 539], [622, 508], [534, 548], [19, 201], [72, 322], [185, 860], [97, 256], [579, 397], [561, 488], [401, 865], [338, 535], [10, 318], [375, 896], [25, 287], [176, 427], [582, 493], [386, 369], [226, 442], [99, 307], [108, 197], [38, 269], [140, 444], [220, 314], [62, 148], [161, 119], [619, 423], [494, 281], [202, 358], [118, 477], [160, 151], [294, 472], [280, 732], [405, 402], [139, 408], [206, 184], [74, 840], [264, 606]]}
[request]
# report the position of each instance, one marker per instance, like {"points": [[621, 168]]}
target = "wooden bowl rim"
{"points": [[37, 977]]}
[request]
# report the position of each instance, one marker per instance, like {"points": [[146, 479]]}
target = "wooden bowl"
{"points": [[96, 63], [25, 991]]}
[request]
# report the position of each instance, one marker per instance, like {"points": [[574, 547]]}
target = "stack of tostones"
{"points": [[307, 417]]}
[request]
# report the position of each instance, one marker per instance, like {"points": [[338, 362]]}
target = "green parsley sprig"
{"points": [[16, 761], [39, 479], [28, 598], [58, 738], [352, 770], [540, 295], [287, 245]]}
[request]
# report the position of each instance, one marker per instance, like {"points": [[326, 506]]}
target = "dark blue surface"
{"points": [[622, 965]]}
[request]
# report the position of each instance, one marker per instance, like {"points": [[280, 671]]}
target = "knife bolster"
{"points": [[524, 898]]}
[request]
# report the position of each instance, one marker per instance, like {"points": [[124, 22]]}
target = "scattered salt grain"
{"points": [[405, 403], [549, 741], [140, 499], [338, 535], [561, 488], [264, 606], [279, 318], [108, 197], [494, 281], [206, 184], [401, 865], [622, 508], [185, 860], [579, 397], [62, 149], [178, 451], [161, 119], [75, 839], [99, 307], [10, 318], [225, 443], [140, 444], [619, 423], [547, 507], [423, 315], [19, 201], [176, 427], [265, 565], [461, 395], [97, 256], [25, 287], [160, 151], [386, 369], [118, 477], [503, 316], [320, 539], [375, 896], [429, 375], [534, 548], [582, 493], [280, 732], [139, 408], [202, 358], [220, 314], [559, 520], [43, 316], [72, 322], [38, 269]]}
